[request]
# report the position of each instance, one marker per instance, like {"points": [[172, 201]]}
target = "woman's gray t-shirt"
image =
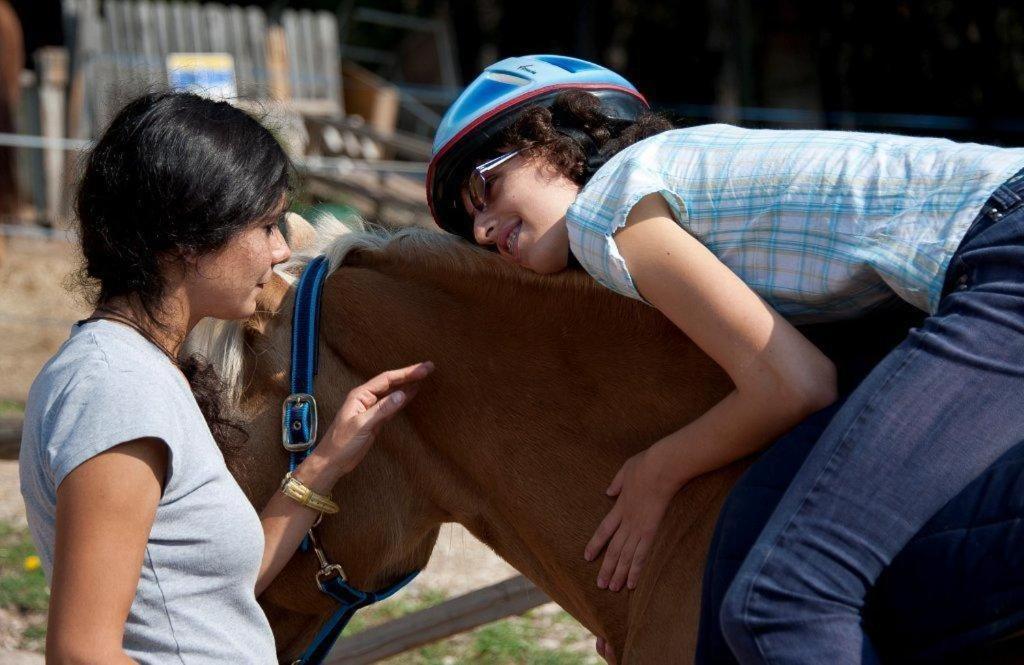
{"points": [[195, 602]]}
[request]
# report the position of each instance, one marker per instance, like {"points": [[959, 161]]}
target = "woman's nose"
{"points": [[483, 229], [282, 252]]}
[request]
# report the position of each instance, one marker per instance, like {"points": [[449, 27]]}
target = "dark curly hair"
{"points": [[575, 136], [174, 174]]}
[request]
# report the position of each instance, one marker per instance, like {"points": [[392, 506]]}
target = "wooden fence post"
{"points": [[277, 64], [52, 68]]}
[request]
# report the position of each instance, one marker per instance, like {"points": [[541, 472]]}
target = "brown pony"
{"points": [[544, 386], [12, 61]]}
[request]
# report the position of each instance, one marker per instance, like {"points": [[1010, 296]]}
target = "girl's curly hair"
{"points": [[575, 136]]}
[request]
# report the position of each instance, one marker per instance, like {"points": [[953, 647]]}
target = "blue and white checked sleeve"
{"points": [[602, 208]]}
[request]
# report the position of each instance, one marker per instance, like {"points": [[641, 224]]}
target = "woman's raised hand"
{"points": [[366, 408]]}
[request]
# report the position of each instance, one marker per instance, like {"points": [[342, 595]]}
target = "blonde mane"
{"points": [[221, 342]]}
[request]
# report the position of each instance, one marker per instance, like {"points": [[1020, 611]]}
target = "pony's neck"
{"points": [[543, 388]]}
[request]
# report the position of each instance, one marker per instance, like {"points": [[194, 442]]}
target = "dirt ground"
{"points": [[35, 310], [36, 313]]}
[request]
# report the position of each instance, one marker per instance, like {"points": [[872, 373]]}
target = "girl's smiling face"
{"points": [[524, 216]]}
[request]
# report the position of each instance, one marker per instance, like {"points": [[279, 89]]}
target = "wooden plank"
{"points": [[181, 39], [52, 68], [100, 72], [148, 46], [308, 43], [239, 46], [162, 30], [289, 20], [81, 108], [216, 27], [508, 598], [278, 80], [200, 40], [256, 36], [330, 52]]}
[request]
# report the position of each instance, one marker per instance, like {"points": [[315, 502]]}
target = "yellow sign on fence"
{"points": [[208, 74]]}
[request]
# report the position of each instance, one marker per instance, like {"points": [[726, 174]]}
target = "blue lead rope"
{"points": [[349, 600], [298, 435]]}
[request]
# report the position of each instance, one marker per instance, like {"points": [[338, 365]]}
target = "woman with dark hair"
{"points": [[152, 551], [735, 235]]}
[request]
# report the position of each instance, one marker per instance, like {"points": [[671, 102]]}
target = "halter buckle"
{"points": [[291, 426], [329, 572]]}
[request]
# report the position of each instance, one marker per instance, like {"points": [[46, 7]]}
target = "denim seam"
{"points": [[857, 421], [969, 529]]}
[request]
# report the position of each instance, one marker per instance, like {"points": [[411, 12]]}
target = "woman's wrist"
{"points": [[318, 472]]}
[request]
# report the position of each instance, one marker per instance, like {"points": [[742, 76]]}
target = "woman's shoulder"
{"points": [[97, 391], [95, 355], [102, 371]]}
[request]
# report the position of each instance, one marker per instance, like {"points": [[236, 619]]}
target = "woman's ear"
{"points": [[299, 233]]}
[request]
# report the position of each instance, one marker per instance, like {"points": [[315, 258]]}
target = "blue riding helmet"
{"points": [[490, 103]]}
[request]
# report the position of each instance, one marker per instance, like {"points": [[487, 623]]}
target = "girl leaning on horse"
{"points": [[735, 235]]}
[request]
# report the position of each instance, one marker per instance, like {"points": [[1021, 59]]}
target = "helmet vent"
{"points": [[508, 77], [571, 65]]}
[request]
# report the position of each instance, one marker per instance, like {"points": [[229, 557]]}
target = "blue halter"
{"points": [[298, 435]]}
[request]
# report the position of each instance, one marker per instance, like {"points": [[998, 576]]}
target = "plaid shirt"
{"points": [[823, 225]]}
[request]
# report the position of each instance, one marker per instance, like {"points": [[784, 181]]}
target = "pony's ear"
{"points": [[300, 233]]}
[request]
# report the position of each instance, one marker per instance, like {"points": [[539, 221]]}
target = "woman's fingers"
{"points": [[385, 382], [383, 409]]}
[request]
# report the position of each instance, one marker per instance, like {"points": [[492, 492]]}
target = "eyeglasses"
{"points": [[482, 176]]}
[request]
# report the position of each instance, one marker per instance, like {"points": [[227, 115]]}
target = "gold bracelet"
{"points": [[294, 488]]}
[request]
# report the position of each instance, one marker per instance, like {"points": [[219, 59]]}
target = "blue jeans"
{"points": [[931, 417]]}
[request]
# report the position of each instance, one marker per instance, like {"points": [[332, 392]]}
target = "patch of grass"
{"points": [[394, 607], [516, 640], [33, 638], [504, 641], [21, 588], [512, 641], [10, 408]]}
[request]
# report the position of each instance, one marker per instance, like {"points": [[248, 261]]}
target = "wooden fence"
{"points": [[119, 50]]}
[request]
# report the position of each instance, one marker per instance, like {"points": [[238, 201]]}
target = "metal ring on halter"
{"points": [[287, 425], [329, 572]]}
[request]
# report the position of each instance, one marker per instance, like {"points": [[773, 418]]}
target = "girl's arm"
{"points": [[342, 447], [779, 376], [105, 510]]}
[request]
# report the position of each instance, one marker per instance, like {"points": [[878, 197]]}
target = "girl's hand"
{"points": [[365, 409], [605, 650], [644, 493]]}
